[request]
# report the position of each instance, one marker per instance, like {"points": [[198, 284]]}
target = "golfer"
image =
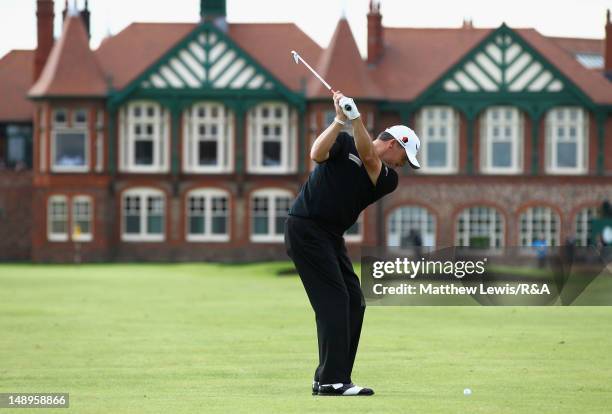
{"points": [[351, 173]]}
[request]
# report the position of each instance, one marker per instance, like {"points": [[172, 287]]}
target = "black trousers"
{"points": [[334, 293]]}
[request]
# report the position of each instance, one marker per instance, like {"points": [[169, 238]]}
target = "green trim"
{"points": [[206, 28], [469, 167], [520, 72], [188, 67], [224, 69], [237, 74], [239, 139], [112, 138], [484, 71], [466, 73], [175, 120], [535, 144], [600, 117], [435, 93], [224, 52]]}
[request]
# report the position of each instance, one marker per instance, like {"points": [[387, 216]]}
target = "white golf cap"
{"points": [[407, 139]]}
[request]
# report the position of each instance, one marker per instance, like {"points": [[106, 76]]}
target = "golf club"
{"points": [[296, 57]]}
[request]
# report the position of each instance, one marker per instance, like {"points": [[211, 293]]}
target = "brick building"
{"points": [[188, 141]]}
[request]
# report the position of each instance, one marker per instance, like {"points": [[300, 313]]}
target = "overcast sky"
{"points": [[318, 18]]}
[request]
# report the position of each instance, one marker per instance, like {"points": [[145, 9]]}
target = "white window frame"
{"points": [[463, 239], [224, 123], [357, 237], [208, 194], [55, 123], [74, 128], [74, 117], [550, 217], [553, 124], [488, 125], [436, 118], [143, 236], [288, 138], [161, 137], [410, 214], [83, 237], [57, 237], [581, 221], [270, 194]]}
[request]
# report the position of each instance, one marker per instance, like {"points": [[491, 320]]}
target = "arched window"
{"points": [[566, 141], [208, 215], [501, 138], [481, 227], [144, 130], [411, 226], [272, 136], [208, 138], [269, 210], [539, 223], [143, 214], [582, 223], [438, 129]]}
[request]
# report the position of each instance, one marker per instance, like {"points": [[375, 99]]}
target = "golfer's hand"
{"points": [[339, 113], [349, 108]]}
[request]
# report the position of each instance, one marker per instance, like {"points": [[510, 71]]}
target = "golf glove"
{"points": [[349, 108]]}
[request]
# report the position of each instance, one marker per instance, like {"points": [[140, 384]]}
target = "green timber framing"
{"points": [[535, 104], [176, 99]]}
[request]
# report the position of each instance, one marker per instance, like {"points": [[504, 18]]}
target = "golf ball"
{"points": [[467, 391]]}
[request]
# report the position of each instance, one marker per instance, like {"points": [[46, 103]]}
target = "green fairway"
{"points": [[200, 338]]}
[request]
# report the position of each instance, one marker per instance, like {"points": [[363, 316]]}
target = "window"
{"points": [[480, 227], [501, 147], [81, 218], [272, 138], [208, 139], [566, 141], [69, 145], [60, 117], [79, 117], [355, 232], [539, 223], [143, 215], [208, 215], [57, 218], [583, 226], [438, 131], [269, 210], [145, 135], [18, 146], [410, 226]]}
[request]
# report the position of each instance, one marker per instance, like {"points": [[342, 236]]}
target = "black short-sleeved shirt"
{"points": [[339, 188]]}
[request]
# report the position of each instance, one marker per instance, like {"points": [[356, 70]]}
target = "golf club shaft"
{"points": [[315, 73]]}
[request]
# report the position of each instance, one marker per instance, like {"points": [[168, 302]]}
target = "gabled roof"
{"points": [[592, 83], [267, 43], [72, 68], [130, 52], [343, 68], [16, 69], [414, 58]]}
